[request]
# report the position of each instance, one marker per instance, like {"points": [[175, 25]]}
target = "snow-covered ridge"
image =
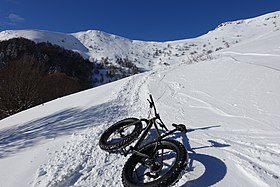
{"points": [[258, 21], [96, 45], [64, 40]]}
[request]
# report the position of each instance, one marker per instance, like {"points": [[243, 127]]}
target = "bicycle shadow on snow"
{"points": [[214, 168]]}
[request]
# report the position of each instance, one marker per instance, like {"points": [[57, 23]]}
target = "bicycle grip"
{"points": [[151, 97], [180, 127]]}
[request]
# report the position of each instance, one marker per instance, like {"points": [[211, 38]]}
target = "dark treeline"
{"points": [[33, 73]]}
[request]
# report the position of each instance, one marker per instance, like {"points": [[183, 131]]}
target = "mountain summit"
{"points": [[97, 45]]}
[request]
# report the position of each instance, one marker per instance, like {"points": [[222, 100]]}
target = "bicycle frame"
{"points": [[150, 123], [154, 162]]}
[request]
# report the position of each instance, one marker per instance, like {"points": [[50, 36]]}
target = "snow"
{"points": [[229, 101]]}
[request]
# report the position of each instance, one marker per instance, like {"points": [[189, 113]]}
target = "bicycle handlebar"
{"points": [[152, 104], [151, 97]]}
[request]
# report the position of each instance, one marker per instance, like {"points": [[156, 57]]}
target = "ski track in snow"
{"points": [[251, 162], [258, 161], [255, 64]]}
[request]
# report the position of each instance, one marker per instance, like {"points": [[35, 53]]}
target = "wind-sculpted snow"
{"points": [[230, 104]]}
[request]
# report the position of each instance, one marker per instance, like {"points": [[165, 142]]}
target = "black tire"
{"points": [[166, 175], [107, 141]]}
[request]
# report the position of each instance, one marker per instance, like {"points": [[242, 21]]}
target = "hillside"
{"points": [[227, 94]]}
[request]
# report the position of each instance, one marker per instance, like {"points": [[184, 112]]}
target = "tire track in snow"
{"points": [[214, 108], [259, 162], [253, 170], [254, 64]]}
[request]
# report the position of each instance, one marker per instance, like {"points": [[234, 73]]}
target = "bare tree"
{"points": [[57, 85], [19, 82]]}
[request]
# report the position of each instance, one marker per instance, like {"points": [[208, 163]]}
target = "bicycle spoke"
{"points": [[121, 133], [140, 169], [164, 157]]}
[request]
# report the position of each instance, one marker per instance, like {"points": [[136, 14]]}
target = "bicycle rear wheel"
{"points": [[164, 167], [120, 134]]}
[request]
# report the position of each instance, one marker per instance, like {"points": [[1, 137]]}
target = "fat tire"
{"points": [[168, 179], [117, 146]]}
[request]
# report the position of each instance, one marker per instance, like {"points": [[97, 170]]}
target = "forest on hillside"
{"points": [[34, 73]]}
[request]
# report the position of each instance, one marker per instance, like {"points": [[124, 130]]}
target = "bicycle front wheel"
{"points": [[120, 134], [164, 167]]}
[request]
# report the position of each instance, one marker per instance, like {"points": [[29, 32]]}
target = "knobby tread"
{"points": [[168, 179], [117, 146]]}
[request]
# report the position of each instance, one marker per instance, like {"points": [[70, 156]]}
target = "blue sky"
{"points": [[150, 20]]}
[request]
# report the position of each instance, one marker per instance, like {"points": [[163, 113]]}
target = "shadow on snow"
{"points": [[65, 122], [214, 168]]}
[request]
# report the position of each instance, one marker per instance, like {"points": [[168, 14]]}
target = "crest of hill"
{"points": [[97, 45]]}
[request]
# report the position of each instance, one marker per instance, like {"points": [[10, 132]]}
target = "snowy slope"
{"points": [[229, 102]]}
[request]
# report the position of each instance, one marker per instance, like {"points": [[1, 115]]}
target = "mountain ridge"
{"points": [[97, 45]]}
